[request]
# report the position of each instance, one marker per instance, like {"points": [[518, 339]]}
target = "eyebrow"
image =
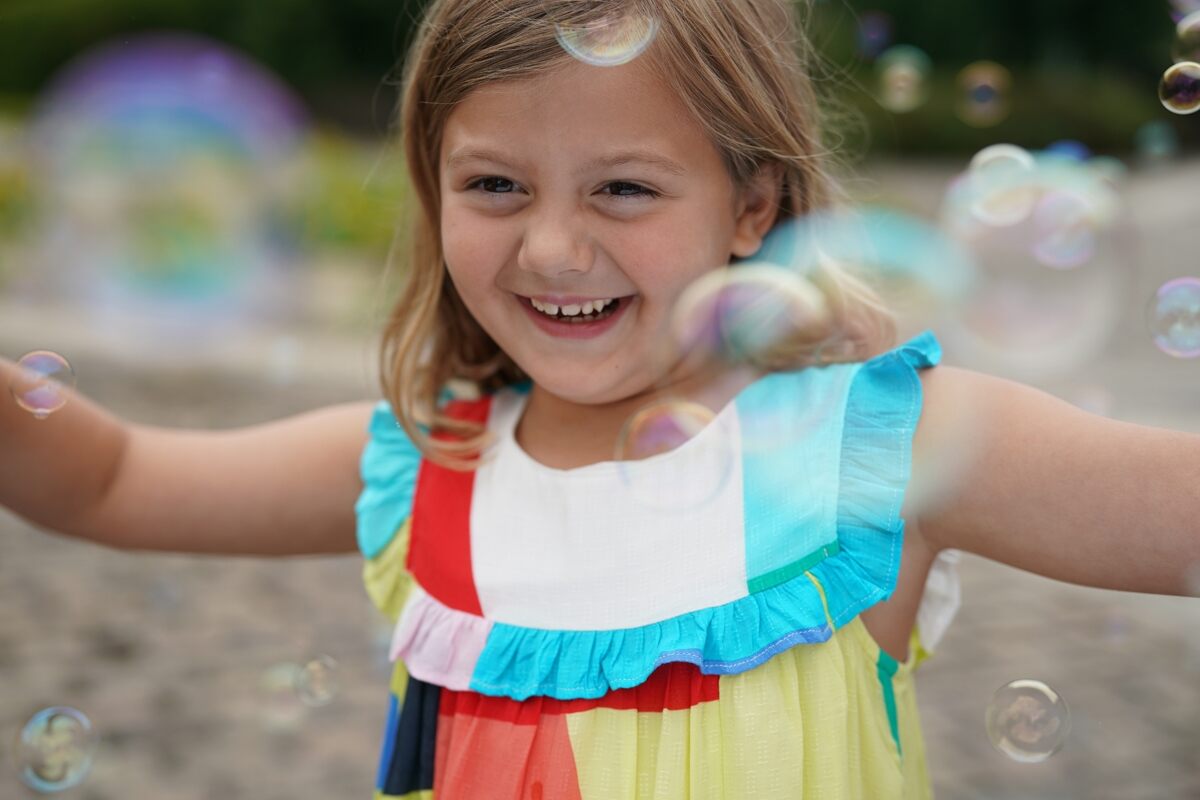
{"points": [[620, 159]]}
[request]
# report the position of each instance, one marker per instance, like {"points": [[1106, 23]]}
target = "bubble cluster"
{"points": [[1027, 721], [983, 93], [56, 749], [903, 74], [609, 41], [1174, 317], [316, 682], [42, 383], [665, 426], [1179, 89], [1045, 236]]}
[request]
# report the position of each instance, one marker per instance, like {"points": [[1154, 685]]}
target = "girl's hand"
{"points": [[1057, 491]]}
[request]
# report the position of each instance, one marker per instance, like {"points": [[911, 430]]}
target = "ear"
{"points": [[756, 209]]}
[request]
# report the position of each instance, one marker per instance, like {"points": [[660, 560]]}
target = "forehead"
{"points": [[575, 110]]}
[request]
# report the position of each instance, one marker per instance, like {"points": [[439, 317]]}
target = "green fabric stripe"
{"points": [[788, 571], [885, 668]]}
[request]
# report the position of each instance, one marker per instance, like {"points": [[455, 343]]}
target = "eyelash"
{"points": [[643, 192]]}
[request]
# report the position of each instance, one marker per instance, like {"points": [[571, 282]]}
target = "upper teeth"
{"points": [[573, 309]]}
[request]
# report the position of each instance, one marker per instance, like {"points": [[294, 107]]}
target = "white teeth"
{"points": [[573, 310]]}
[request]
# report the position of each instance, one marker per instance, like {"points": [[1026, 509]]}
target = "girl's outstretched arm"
{"points": [[282, 488], [1057, 491]]}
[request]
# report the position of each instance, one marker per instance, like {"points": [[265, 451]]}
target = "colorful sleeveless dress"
{"points": [[557, 639]]}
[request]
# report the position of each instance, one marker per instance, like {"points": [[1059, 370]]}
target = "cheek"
{"points": [[471, 263]]}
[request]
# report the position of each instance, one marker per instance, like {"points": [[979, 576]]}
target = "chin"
{"points": [[578, 387]]}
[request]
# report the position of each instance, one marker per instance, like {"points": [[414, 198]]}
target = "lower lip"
{"points": [[575, 330]]}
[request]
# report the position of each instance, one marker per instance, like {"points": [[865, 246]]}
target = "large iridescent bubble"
{"points": [[167, 158]]}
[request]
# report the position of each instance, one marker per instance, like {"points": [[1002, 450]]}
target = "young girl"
{"points": [[555, 636]]}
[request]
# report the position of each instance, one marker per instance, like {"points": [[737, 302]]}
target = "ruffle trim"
{"points": [[882, 411], [388, 467], [438, 644]]}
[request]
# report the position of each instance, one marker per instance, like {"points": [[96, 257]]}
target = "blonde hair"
{"points": [[741, 67]]}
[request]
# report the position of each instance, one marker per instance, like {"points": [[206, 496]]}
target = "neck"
{"points": [[565, 434]]}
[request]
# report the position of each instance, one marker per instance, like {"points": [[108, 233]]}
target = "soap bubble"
{"points": [[903, 72], [608, 41], [1187, 38], [744, 312], [1027, 721], [1064, 230], [1156, 141], [1021, 319], [874, 34], [168, 158], [1174, 317], [1179, 90], [1002, 189], [56, 749], [280, 706], [316, 682], [1070, 149], [983, 93], [42, 383], [659, 429], [1183, 8]]}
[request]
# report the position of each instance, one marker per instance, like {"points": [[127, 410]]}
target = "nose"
{"points": [[556, 243]]}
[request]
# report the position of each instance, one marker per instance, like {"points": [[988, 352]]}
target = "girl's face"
{"points": [[587, 184]]}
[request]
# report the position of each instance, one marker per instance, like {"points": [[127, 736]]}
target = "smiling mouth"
{"points": [[592, 311]]}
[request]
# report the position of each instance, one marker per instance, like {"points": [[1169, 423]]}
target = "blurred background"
{"points": [[197, 201]]}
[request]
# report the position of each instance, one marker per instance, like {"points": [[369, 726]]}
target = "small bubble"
{"points": [[1174, 317], [56, 749], [874, 34], [1027, 721], [1002, 185], [316, 682], [1179, 90], [1156, 141], [42, 383], [1187, 38], [608, 41], [1064, 230], [280, 711], [903, 72], [983, 93], [664, 426]]}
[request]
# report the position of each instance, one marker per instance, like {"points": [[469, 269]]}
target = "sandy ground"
{"points": [[170, 656]]}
